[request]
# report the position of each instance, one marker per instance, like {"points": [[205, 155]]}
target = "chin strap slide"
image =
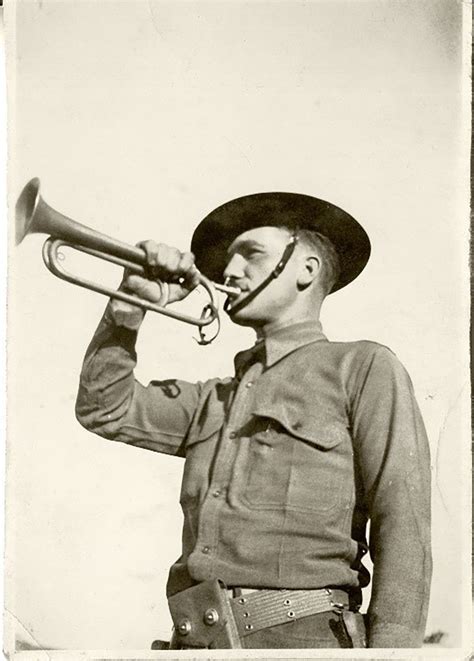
{"points": [[289, 250]]}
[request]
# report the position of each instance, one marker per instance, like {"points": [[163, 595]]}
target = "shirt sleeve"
{"points": [[113, 404], [393, 458]]}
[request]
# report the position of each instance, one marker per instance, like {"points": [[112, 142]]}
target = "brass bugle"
{"points": [[34, 215]]}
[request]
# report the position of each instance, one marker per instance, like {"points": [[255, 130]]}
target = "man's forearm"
{"points": [[113, 404], [401, 553], [107, 382], [393, 457]]}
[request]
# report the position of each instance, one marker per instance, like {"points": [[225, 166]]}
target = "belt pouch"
{"points": [[202, 617]]}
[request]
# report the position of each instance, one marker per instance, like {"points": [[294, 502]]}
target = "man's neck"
{"points": [[277, 324]]}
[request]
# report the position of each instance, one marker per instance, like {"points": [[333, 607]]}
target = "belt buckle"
{"points": [[336, 606]]}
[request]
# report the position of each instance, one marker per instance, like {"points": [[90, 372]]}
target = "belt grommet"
{"points": [[211, 616], [249, 627], [291, 614], [287, 602], [184, 627], [246, 614], [242, 600]]}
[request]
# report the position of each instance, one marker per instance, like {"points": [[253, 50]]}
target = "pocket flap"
{"points": [[322, 433]]}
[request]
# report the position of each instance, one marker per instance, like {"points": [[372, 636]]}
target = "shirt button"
{"points": [[232, 434], [249, 384], [206, 550], [216, 493]]}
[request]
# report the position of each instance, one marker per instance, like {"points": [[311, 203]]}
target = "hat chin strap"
{"points": [[285, 258]]}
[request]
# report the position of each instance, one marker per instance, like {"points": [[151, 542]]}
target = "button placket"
{"points": [[226, 453], [238, 419]]}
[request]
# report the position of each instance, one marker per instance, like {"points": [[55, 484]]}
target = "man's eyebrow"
{"points": [[244, 244]]}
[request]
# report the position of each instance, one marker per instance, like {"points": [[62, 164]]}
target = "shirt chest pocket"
{"points": [[308, 468]]}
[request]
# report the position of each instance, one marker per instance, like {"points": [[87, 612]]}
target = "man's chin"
{"points": [[243, 317]]}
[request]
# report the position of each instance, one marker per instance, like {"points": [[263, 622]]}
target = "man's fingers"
{"points": [[172, 261], [169, 264], [151, 250], [193, 278], [188, 270], [186, 262]]}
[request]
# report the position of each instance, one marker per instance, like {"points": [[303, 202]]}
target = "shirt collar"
{"points": [[279, 342], [285, 339]]}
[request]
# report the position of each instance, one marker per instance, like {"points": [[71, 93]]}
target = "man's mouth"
{"points": [[234, 296]]}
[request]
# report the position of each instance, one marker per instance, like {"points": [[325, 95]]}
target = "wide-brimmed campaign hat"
{"points": [[217, 231]]}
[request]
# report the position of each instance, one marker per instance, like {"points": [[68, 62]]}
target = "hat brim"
{"points": [[217, 230]]}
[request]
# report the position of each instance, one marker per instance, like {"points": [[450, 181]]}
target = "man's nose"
{"points": [[234, 268]]}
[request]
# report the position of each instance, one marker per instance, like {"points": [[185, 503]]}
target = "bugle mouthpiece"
{"points": [[227, 289]]}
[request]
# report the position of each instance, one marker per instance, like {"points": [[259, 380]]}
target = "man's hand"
{"points": [[164, 264]]}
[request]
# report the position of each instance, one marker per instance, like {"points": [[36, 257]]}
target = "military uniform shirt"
{"points": [[285, 463]]}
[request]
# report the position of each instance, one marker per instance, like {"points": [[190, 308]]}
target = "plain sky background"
{"points": [[139, 118]]}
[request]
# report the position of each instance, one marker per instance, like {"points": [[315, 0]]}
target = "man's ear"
{"points": [[310, 269]]}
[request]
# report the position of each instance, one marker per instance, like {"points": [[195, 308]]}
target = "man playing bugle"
{"points": [[288, 460]]}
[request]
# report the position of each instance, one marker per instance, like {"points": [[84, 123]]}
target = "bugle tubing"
{"points": [[34, 215]]}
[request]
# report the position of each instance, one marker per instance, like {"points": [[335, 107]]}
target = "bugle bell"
{"points": [[34, 215]]}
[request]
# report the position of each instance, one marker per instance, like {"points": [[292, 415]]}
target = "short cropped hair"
{"points": [[330, 264]]}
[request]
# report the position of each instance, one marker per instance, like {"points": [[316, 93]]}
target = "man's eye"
{"points": [[253, 253]]}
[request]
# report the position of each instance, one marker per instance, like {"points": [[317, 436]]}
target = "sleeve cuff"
{"points": [[131, 319]]}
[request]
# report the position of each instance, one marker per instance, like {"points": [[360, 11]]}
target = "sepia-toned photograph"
{"points": [[238, 329]]}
